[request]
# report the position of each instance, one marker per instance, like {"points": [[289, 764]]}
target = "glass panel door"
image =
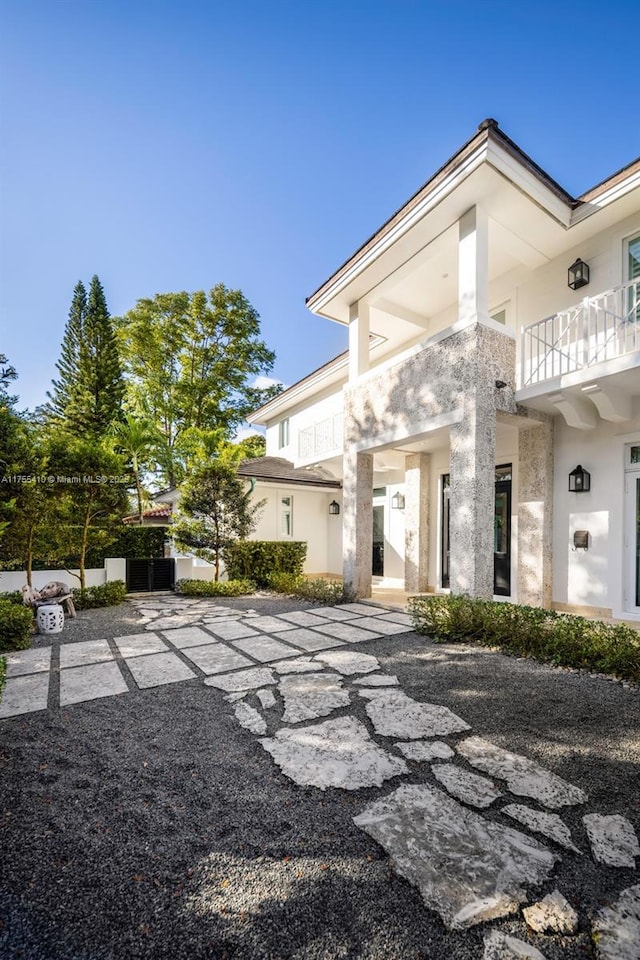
{"points": [[377, 567]]}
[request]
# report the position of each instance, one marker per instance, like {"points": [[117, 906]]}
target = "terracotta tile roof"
{"points": [[161, 512]]}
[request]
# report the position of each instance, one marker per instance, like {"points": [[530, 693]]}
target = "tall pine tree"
{"points": [[88, 396], [63, 389]]}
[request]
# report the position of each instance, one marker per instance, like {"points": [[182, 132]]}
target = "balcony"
{"points": [[321, 439], [595, 331]]}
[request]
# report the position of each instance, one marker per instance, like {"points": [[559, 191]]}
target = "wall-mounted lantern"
{"points": [[397, 501], [334, 508], [581, 540], [578, 274], [579, 480]]}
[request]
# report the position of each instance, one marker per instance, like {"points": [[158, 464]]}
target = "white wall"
{"points": [[16, 579], [324, 405], [594, 578], [311, 522]]}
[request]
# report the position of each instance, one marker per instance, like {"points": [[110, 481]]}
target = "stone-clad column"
{"points": [[416, 515], [535, 514], [357, 527], [473, 443]]}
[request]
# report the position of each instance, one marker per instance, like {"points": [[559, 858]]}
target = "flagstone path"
{"points": [[282, 674]]}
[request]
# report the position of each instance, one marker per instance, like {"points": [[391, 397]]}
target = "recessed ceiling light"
{"points": [[444, 276]]}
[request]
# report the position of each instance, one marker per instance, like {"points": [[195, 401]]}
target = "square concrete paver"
{"points": [[158, 668], [188, 637], [302, 618], [266, 648], [34, 660], [216, 658], [363, 609], [395, 616], [87, 651], [25, 695], [311, 640], [347, 633], [233, 630], [334, 613], [137, 644], [380, 626], [271, 624], [91, 682]]}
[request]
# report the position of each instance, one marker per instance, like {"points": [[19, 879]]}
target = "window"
{"points": [[633, 273], [500, 316], [283, 433], [285, 519]]}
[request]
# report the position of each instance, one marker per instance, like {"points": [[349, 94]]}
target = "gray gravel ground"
{"points": [[151, 825]]}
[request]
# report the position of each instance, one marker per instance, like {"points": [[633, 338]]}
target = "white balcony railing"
{"points": [[320, 438], [595, 330]]}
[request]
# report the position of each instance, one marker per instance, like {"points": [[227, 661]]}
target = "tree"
{"points": [[252, 447], [90, 496], [64, 389], [215, 510], [88, 395], [192, 360], [136, 439]]}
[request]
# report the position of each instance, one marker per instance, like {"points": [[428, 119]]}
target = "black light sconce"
{"points": [[579, 480], [334, 508], [578, 274], [581, 540], [397, 501]]}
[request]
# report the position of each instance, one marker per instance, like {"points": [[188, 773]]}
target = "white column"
{"points": [[358, 339], [357, 527], [473, 266]]}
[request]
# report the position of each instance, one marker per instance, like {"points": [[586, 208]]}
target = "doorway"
{"points": [[377, 566], [501, 531], [149, 575], [632, 528]]}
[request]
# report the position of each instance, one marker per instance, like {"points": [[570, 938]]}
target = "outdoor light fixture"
{"points": [[397, 501], [334, 508], [578, 274], [500, 384], [579, 480]]}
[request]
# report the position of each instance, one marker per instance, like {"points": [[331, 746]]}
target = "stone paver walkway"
{"points": [[282, 674]]}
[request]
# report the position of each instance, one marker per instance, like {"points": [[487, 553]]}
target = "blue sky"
{"points": [[170, 145]]}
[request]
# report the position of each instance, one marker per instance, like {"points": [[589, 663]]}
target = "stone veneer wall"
{"points": [[451, 382], [535, 513]]}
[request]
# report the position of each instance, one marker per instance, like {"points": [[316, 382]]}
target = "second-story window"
{"points": [[283, 433]]}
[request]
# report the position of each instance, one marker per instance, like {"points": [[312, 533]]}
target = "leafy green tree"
{"points": [[13, 447], [90, 496], [136, 439], [215, 510], [192, 360], [251, 447]]}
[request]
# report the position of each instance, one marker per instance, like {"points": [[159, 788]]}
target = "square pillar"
{"points": [[416, 514], [473, 266], [357, 527], [535, 515], [358, 339], [472, 497]]}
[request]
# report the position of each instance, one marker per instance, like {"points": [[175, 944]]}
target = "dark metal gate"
{"points": [[148, 575]]}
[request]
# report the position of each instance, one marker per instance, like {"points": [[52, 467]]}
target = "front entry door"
{"points": [[377, 566], [501, 532], [632, 529]]}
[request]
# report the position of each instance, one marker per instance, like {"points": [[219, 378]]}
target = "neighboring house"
{"points": [[484, 366], [296, 505]]}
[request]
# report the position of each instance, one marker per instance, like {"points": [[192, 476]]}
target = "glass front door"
{"points": [[501, 532], [632, 528], [377, 567]]}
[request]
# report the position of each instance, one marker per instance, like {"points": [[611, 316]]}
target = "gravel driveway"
{"points": [[152, 825]]}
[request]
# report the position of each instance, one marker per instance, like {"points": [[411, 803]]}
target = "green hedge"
{"points": [[12, 596], [213, 588], [318, 589], [16, 626], [106, 595], [257, 560], [531, 632]]}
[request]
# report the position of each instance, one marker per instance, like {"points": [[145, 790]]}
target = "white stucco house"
{"points": [[494, 347]]}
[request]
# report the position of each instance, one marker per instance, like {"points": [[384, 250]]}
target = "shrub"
{"points": [[317, 589], [214, 588], [12, 596], [260, 559], [3, 674], [531, 632], [16, 626], [106, 595]]}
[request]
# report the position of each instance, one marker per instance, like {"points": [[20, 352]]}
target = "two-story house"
{"points": [[485, 421]]}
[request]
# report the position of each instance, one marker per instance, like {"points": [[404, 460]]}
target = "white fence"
{"points": [[114, 569]]}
